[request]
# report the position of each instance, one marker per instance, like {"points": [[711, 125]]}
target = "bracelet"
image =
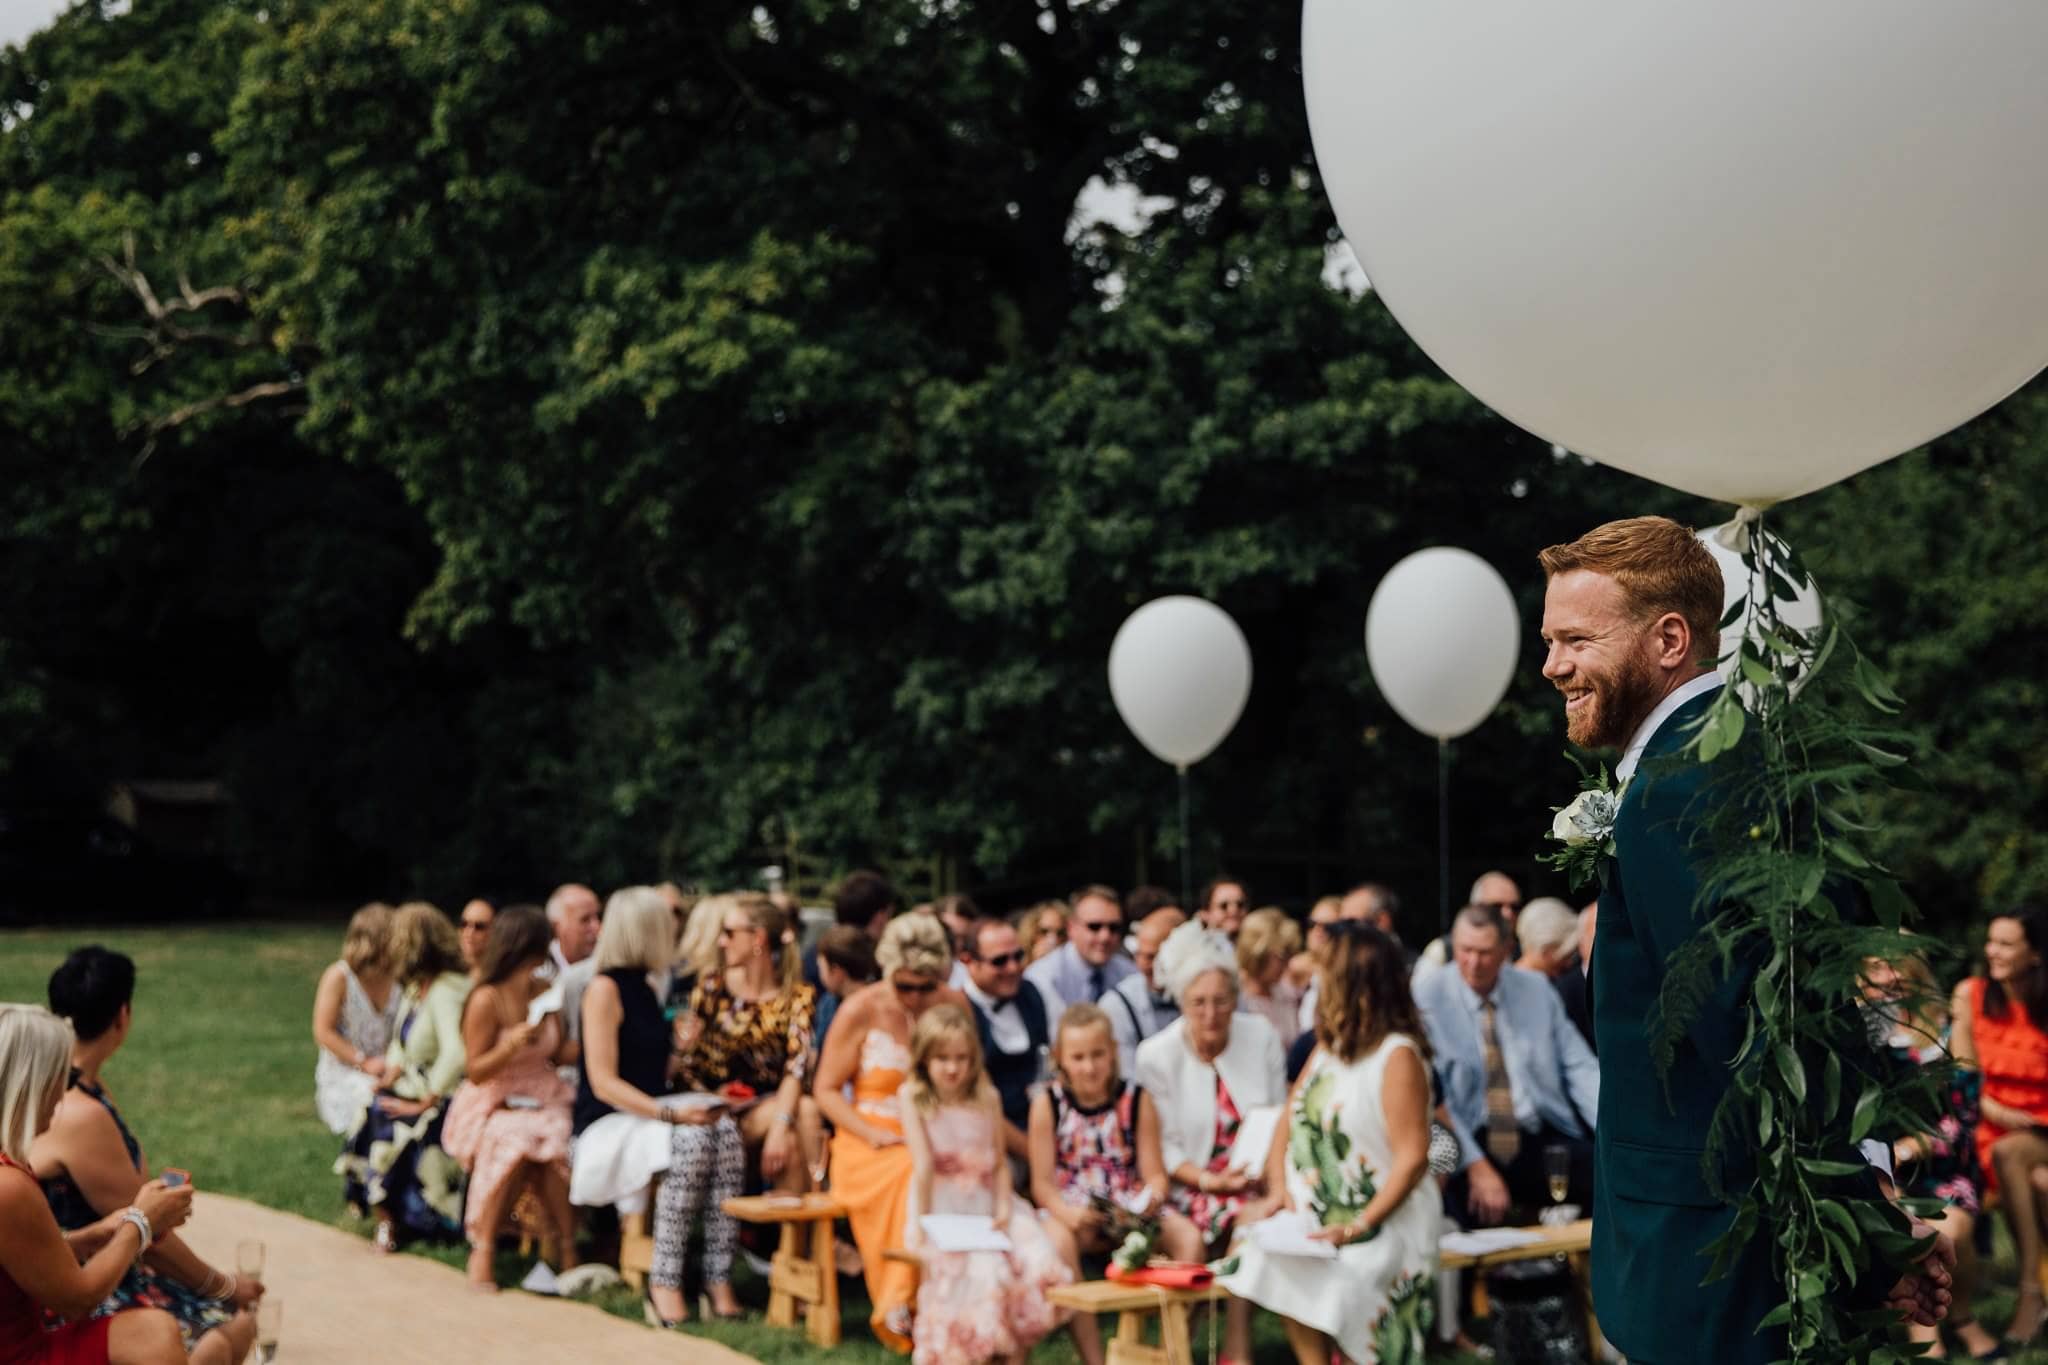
{"points": [[666, 1113], [785, 1120], [139, 1220], [219, 1284]]}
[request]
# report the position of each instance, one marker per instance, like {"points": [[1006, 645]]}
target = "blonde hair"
{"points": [[1028, 924], [915, 943], [423, 943], [35, 1059], [772, 920], [937, 1025], [1660, 567], [1074, 1019], [366, 943], [1266, 936], [638, 930], [698, 952]]}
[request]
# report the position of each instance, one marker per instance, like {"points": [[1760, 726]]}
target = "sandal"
{"points": [[2030, 1294], [708, 1313], [654, 1317], [385, 1239]]}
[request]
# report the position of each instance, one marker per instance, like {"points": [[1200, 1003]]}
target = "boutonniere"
{"points": [[1584, 830]]}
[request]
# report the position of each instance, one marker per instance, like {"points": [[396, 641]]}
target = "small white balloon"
{"points": [[1745, 249], [1442, 636], [1179, 672], [1802, 614]]}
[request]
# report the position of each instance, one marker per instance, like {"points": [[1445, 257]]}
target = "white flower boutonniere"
{"points": [[1585, 828]]}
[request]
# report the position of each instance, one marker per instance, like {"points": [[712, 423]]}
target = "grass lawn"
{"points": [[218, 1078]]}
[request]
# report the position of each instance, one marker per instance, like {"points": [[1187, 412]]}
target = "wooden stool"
{"points": [[636, 1242], [798, 1275], [1133, 1304], [1573, 1241]]}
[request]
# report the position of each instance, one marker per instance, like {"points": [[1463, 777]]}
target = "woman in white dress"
{"points": [[1356, 1138], [354, 1011]]}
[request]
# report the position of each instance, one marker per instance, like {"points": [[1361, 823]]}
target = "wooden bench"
{"points": [[802, 1271], [1573, 1241], [1133, 1304]]}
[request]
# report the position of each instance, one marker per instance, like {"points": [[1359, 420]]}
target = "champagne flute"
{"points": [[249, 1259], [1557, 1168], [269, 1319]]}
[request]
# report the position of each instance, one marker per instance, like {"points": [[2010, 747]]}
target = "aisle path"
{"points": [[345, 1303]]}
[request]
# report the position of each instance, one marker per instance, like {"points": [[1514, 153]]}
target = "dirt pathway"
{"points": [[344, 1303]]}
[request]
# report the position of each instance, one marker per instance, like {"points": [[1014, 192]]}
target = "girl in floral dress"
{"points": [[1085, 1148], [971, 1305]]}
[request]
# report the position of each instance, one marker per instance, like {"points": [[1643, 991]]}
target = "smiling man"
{"points": [[1091, 960], [1631, 622]]}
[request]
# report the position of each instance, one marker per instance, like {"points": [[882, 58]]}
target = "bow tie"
{"points": [[996, 1006]]}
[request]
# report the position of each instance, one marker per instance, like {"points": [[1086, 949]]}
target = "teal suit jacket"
{"points": [[1653, 1210]]}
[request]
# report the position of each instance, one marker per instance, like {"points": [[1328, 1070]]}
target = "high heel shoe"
{"points": [[654, 1317], [2031, 1294], [709, 1313]]}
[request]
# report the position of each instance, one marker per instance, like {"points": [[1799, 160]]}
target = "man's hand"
{"points": [[1487, 1195], [1922, 1294]]}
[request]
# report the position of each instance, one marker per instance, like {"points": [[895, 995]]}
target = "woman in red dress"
{"points": [[39, 1264]]}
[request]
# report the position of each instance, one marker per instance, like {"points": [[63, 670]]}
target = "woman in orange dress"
{"points": [[1998, 1029], [869, 1047]]}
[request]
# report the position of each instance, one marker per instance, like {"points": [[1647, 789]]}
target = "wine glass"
{"points": [[1557, 1173], [269, 1319], [249, 1259]]}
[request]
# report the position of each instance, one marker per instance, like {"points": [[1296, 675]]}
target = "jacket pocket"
{"points": [[1657, 1175]]}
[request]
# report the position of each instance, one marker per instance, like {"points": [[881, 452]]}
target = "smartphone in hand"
{"points": [[173, 1177]]}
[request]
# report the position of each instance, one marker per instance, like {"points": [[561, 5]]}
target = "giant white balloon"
{"points": [[1442, 636], [1179, 671], [1745, 248], [1802, 614]]}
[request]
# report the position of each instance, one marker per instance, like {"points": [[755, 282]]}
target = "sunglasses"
{"points": [[1005, 959], [1108, 926], [480, 925], [727, 931], [921, 988]]}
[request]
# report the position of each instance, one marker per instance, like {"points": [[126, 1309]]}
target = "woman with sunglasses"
{"points": [[750, 1023], [869, 1049]]}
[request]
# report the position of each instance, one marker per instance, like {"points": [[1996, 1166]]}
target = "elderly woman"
{"points": [[44, 1269], [1267, 941], [92, 1166], [354, 1012], [393, 1159], [750, 1024], [1207, 1070], [868, 1049], [629, 1134], [508, 1125]]}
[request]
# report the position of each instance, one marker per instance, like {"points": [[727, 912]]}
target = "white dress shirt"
{"points": [[1005, 1021], [1632, 757]]}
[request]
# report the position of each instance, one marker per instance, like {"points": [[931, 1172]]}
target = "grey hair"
{"points": [[1547, 924], [1482, 917], [1190, 953]]}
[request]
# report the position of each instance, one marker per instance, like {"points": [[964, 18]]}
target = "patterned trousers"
{"points": [[703, 1159]]}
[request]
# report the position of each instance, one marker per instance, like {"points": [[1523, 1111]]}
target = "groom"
{"points": [[1631, 619]]}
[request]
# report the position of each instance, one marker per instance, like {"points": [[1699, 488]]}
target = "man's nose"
{"points": [[1553, 663]]}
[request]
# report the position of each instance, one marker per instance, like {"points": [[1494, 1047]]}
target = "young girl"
{"points": [[1085, 1145], [971, 1305]]}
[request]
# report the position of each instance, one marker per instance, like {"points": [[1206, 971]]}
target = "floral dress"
{"points": [[1095, 1151], [755, 1042], [981, 1305], [1214, 1214], [1950, 1171]]}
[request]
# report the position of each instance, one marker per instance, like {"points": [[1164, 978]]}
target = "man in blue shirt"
{"points": [[1091, 960]]}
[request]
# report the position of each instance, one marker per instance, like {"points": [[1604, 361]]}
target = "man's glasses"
{"points": [[1005, 959], [1107, 926], [481, 926]]}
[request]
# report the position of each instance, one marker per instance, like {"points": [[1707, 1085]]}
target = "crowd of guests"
{"points": [[1069, 1073]]}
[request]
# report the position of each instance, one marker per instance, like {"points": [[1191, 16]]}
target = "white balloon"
{"points": [[1442, 636], [1179, 671], [1802, 614], [1745, 248]]}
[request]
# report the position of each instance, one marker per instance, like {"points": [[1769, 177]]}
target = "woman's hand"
{"points": [[1223, 1182], [688, 1030], [777, 1149], [523, 1035], [876, 1136], [373, 1067], [165, 1207], [1258, 1210], [1343, 1234], [394, 1107], [246, 1292]]}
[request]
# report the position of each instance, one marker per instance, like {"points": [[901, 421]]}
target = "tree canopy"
{"points": [[509, 441]]}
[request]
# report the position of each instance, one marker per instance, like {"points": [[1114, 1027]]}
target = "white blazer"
{"points": [[1183, 1088]]}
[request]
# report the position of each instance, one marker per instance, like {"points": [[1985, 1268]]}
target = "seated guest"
{"points": [[1356, 1144], [575, 916], [751, 1023], [1207, 1070], [1042, 929], [1999, 1020], [1138, 1006], [1301, 970], [700, 952], [1092, 959], [1224, 903], [628, 1134], [1548, 933], [70, 1275], [1495, 891], [1266, 943], [473, 928], [91, 1166], [1912, 1021], [869, 1051], [393, 1160], [1095, 1137], [846, 962], [1517, 1076], [355, 1009], [865, 900], [958, 914], [1011, 1021], [508, 1125], [1371, 903]]}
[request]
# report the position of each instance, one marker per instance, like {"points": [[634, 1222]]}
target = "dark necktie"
{"points": [[1094, 985], [1503, 1134]]}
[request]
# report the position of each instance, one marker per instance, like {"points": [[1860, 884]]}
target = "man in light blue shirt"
{"points": [[1091, 961], [1519, 1080]]}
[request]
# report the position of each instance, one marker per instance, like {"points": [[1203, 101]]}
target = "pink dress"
{"points": [[981, 1305], [490, 1140]]}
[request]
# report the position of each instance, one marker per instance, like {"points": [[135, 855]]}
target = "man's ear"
{"points": [[1674, 642]]}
